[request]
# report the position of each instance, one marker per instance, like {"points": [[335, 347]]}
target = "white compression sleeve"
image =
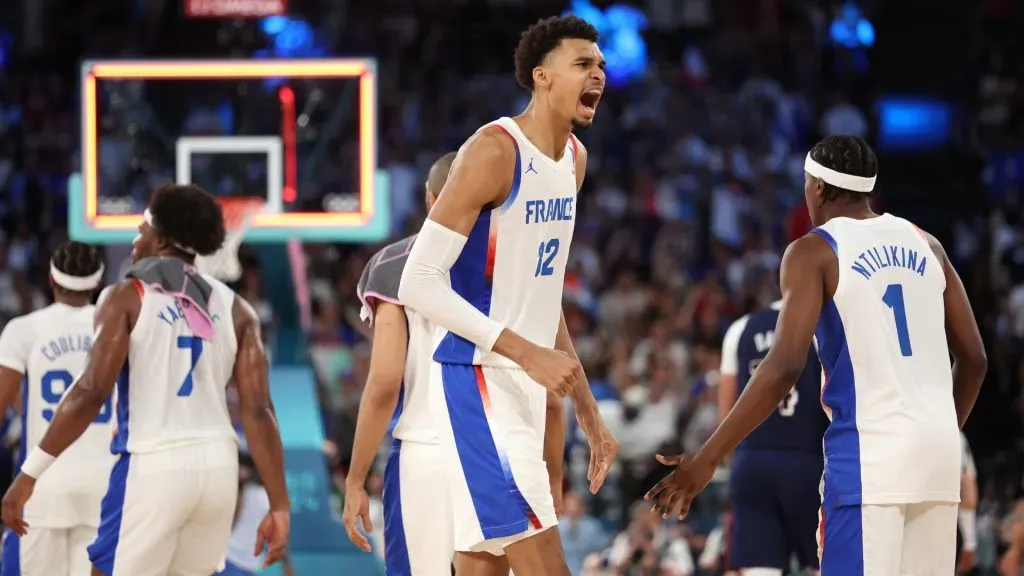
{"points": [[426, 288]]}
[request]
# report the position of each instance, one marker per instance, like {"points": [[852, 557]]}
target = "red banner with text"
{"points": [[234, 8]]}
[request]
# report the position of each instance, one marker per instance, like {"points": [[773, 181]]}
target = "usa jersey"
{"points": [[799, 423], [172, 389], [513, 265], [894, 437], [412, 421], [49, 347]]}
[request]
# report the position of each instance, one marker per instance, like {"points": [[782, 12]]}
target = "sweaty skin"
{"points": [[809, 276]]}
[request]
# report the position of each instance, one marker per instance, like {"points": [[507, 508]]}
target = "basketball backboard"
{"points": [[97, 214]]}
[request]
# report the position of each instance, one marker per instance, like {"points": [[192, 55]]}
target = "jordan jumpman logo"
{"points": [[530, 167]]}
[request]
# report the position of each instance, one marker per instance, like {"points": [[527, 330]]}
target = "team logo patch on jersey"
{"points": [[530, 168]]}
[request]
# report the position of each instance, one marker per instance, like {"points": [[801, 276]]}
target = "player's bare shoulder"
{"points": [[123, 299], [580, 159], [482, 172], [244, 317]]}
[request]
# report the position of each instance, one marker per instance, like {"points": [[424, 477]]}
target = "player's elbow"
{"points": [[414, 288], [382, 391], [784, 371], [975, 360]]}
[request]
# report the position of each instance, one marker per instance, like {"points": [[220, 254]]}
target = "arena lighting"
{"points": [[221, 69]]}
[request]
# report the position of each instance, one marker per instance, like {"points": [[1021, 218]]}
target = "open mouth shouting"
{"points": [[589, 100]]}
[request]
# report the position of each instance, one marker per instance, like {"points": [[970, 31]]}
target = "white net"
{"points": [[223, 264]]}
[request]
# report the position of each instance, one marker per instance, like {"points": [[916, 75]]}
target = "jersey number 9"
{"points": [[54, 384]]}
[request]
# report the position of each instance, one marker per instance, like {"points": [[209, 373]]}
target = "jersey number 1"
{"points": [[545, 254], [195, 345], [893, 298]]}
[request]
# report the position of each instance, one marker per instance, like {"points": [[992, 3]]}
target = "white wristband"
{"points": [[968, 529], [37, 463]]}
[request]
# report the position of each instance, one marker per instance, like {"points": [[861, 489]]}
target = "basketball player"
{"points": [[417, 515], [967, 518], [488, 267], [41, 353], [883, 300], [773, 484], [171, 339]]}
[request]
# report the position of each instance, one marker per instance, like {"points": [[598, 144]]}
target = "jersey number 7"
{"points": [[195, 345], [54, 384]]}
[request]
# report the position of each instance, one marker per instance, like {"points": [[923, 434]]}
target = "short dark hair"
{"points": [[77, 259], [847, 154], [189, 217], [540, 39]]}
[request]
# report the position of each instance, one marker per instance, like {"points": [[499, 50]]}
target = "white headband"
{"points": [[148, 216], [838, 179], [76, 283]]}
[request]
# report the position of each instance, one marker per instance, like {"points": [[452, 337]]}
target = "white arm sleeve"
{"points": [[16, 344], [730, 347], [426, 288]]}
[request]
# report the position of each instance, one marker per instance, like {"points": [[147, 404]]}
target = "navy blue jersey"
{"points": [[799, 423]]}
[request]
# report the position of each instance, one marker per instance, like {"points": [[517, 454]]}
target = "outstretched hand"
{"points": [[674, 494]]}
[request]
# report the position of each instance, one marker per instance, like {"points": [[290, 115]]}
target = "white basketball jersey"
{"points": [[894, 437], [172, 389], [512, 267], [49, 347], [413, 420]]}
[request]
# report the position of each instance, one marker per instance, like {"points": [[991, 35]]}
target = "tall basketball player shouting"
{"points": [[488, 266]]}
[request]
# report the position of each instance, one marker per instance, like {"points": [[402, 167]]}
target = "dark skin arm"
{"points": [[259, 421], [809, 268], [380, 396], [10, 386], [554, 446], [970, 363]]}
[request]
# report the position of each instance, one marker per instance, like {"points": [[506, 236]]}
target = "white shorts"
{"points": [[418, 535], [491, 426], [48, 552], [888, 540], [168, 512]]}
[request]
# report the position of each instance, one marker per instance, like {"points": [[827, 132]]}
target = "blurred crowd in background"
{"points": [[694, 188]]}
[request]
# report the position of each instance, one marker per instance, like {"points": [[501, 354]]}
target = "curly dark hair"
{"points": [[188, 216], [540, 39], [847, 154], [77, 259]]}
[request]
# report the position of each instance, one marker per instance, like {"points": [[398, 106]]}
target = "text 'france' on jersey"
{"points": [[512, 268], [894, 437], [49, 347], [172, 389], [799, 423]]}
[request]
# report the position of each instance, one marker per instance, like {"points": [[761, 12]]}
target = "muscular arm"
{"points": [[803, 295], [554, 438], [383, 384], [259, 420], [582, 396], [10, 382], [83, 401], [970, 363], [480, 177]]}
